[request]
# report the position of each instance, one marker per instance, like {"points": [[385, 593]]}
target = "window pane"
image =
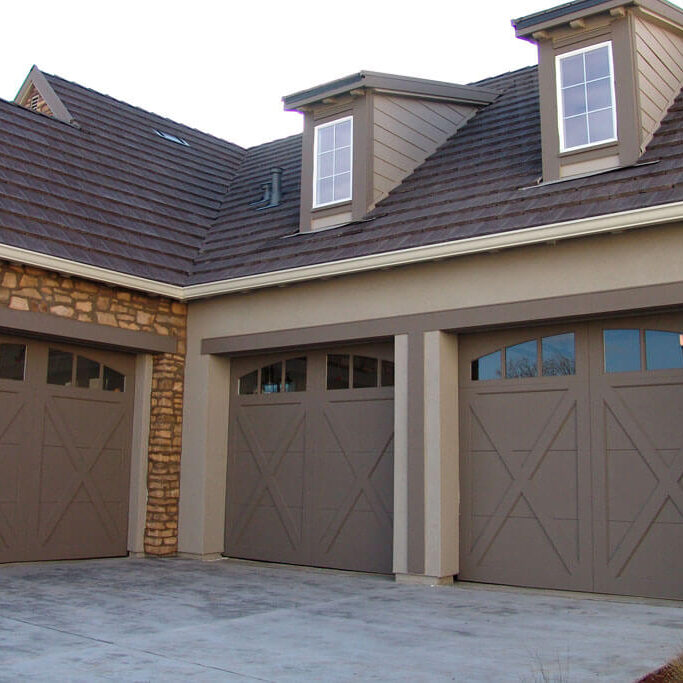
{"points": [[87, 373], [248, 383], [325, 164], [601, 125], [113, 380], [387, 373], [663, 350], [558, 355], [342, 160], [487, 367], [575, 131], [338, 371], [342, 186], [59, 367], [342, 134], [597, 63], [12, 361], [325, 190], [364, 372], [574, 100], [571, 69], [622, 350], [295, 374], [271, 378], [326, 139], [599, 94], [521, 360]]}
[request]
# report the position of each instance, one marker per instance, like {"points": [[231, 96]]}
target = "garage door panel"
{"points": [[311, 485], [70, 452]]}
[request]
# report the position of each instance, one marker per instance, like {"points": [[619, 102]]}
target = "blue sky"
{"points": [[223, 66]]}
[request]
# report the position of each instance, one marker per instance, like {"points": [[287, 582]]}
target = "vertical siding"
{"points": [[659, 60], [405, 132]]}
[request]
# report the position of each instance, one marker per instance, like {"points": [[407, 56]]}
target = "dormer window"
{"points": [[586, 99], [332, 158]]}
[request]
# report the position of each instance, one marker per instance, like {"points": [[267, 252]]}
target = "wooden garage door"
{"points": [[310, 459], [572, 457], [65, 434]]}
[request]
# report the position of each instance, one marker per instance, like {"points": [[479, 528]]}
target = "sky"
{"points": [[223, 66]]}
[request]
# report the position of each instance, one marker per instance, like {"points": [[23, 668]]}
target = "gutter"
{"points": [[550, 233]]}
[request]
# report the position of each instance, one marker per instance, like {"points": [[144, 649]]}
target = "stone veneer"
{"points": [[23, 288]]}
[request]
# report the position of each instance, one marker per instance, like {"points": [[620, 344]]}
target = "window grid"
{"points": [[337, 154], [562, 119]]}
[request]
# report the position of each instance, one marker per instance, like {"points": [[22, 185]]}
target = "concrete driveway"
{"points": [[147, 620]]}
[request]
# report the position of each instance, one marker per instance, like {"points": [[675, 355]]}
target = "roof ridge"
{"points": [[140, 109]]}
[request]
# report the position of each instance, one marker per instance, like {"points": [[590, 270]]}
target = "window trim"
{"points": [[320, 126], [558, 97]]}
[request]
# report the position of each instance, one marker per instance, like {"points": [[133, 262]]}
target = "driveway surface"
{"points": [[148, 620]]}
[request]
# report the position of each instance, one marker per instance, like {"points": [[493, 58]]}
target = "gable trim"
{"points": [[57, 107], [584, 227]]}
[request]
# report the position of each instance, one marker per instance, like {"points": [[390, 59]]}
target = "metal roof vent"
{"points": [[272, 192]]}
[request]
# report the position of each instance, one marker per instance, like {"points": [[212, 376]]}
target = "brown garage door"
{"points": [[65, 433], [572, 457], [310, 466]]}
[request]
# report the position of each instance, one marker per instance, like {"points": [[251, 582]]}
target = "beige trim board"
{"points": [[423, 580], [550, 233]]}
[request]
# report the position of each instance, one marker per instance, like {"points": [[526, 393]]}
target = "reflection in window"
{"points": [[487, 367], [337, 371], [558, 355], [295, 374], [663, 350], [271, 378], [248, 383], [113, 380], [59, 367], [622, 350], [12, 361], [387, 373], [87, 373], [364, 372], [521, 360]]}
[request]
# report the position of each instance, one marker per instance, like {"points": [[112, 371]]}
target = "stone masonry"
{"points": [[23, 288]]}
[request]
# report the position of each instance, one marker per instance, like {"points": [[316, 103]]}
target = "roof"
{"points": [[466, 94], [114, 194]]}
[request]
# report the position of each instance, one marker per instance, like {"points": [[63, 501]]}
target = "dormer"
{"points": [[37, 94], [608, 72], [365, 133]]}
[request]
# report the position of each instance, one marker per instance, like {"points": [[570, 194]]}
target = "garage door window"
{"points": [[368, 372], [84, 372], [557, 355], [289, 375], [623, 350], [12, 361]]}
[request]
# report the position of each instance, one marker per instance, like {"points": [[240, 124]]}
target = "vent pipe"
{"points": [[275, 190]]}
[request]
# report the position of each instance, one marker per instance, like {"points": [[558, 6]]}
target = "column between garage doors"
{"points": [[426, 457]]}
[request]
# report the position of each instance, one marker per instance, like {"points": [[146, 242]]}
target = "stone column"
{"points": [[426, 486]]}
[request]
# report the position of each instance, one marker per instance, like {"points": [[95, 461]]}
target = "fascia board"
{"points": [[550, 233]]}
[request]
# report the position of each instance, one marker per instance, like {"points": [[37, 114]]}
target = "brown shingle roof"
{"points": [[114, 194]]}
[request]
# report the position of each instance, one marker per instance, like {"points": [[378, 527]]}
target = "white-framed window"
{"points": [[586, 102], [333, 155]]}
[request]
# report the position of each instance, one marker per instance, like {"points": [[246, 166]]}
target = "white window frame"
{"points": [[317, 204], [560, 107]]}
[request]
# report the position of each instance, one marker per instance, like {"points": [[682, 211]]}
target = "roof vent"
{"points": [[171, 138], [272, 192]]}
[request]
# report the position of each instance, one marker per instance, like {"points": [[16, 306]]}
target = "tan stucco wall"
{"points": [[630, 259], [636, 258]]}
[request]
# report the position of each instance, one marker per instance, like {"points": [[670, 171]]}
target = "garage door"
{"points": [[572, 457], [310, 466], [65, 434]]}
